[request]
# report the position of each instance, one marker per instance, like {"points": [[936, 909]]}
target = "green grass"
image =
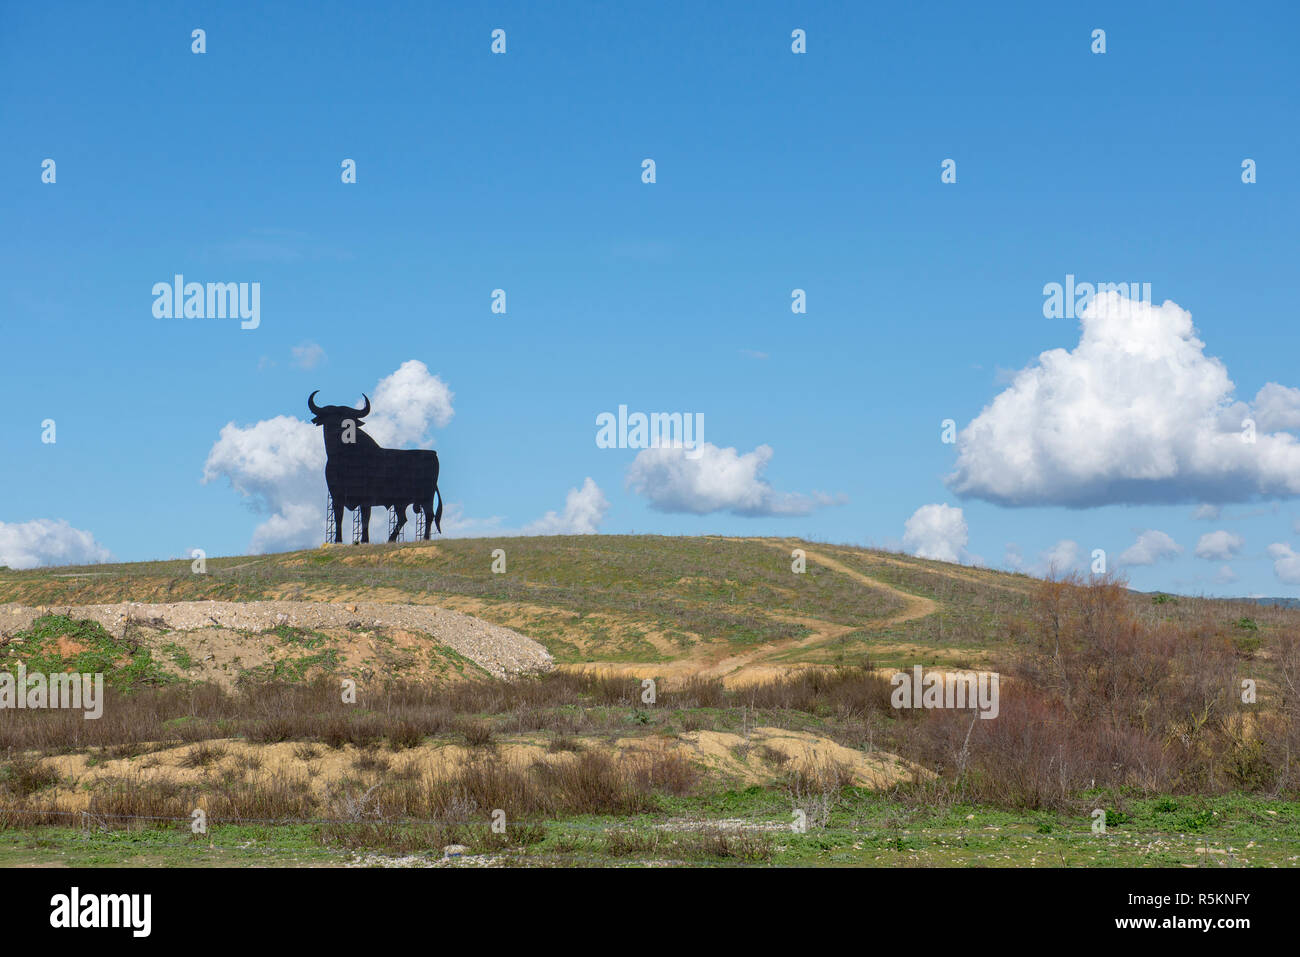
{"points": [[713, 588], [598, 597], [178, 654], [292, 669], [122, 662], [867, 829]]}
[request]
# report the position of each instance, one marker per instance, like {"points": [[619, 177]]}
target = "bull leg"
{"points": [[427, 505], [338, 521], [365, 524], [401, 523]]}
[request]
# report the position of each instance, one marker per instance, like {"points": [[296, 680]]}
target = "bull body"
{"points": [[361, 474]]}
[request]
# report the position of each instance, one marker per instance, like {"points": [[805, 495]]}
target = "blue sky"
{"points": [[522, 171]]}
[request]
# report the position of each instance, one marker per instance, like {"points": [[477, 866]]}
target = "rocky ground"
{"points": [[209, 627]]}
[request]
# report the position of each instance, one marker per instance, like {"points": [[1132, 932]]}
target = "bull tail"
{"points": [[437, 515]]}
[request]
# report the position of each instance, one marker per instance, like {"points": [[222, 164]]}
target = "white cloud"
{"points": [[1151, 546], [278, 464], [936, 531], [1226, 576], [456, 524], [1277, 408], [45, 541], [1219, 546], [584, 510], [1137, 413], [1060, 559], [1286, 563], [714, 480], [308, 355], [406, 404], [1206, 513]]}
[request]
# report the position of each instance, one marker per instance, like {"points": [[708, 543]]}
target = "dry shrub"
{"points": [[631, 843], [696, 692], [24, 774], [202, 755], [477, 734], [131, 801], [814, 786], [844, 692], [663, 772], [271, 797], [1103, 695], [592, 782], [747, 847]]}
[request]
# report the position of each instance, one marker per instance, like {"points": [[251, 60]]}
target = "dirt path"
{"points": [[753, 665], [944, 571], [914, 606]]}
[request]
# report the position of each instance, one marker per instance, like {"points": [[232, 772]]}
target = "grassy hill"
{"points": [[683, 604], [773, 699]]}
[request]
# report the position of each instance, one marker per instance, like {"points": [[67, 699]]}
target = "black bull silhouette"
{"points": [[361, 474]]}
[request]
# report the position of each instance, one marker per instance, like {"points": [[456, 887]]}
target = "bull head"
{"points": [[334, 414]]}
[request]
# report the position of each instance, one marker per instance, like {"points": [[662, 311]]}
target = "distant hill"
{"points": [[1276, 602]]}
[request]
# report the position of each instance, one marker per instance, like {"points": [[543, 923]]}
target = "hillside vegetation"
{"points": [[773, 699], [682, 605]]}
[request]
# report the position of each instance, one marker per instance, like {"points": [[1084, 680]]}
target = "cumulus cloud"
{"points": [[584, 510], [710, 479], [1151, 546], [1277, 408], [1136, 413], [1219, 546], [1206, 513], [278, 464], [936, 531], [45, 541], [1286, 563], [406, 404], [1060, 559], [1225, 576]]}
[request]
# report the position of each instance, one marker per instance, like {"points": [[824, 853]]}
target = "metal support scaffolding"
{"points": [[421, 523]]}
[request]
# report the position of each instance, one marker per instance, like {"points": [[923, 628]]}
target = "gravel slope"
{"points": [[500, 651]]}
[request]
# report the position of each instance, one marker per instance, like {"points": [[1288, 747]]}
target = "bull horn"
{"points": [[362, 413], [315, 410]]}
